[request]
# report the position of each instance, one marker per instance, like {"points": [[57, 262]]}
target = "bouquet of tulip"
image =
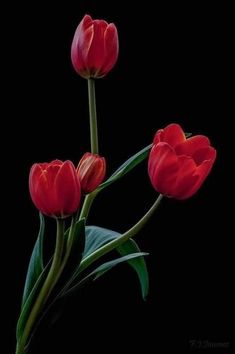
{"points": [[177, 167]]}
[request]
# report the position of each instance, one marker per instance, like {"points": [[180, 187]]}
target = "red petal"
{"points": [[96, 54], [191, 145], [200, 175], [163, 168], [81, 44], [35, 172], [111, 48], [186, 178], [56, 163], [173, 134], [207, 153], [158, 136], [67, 187], [45, 195]]}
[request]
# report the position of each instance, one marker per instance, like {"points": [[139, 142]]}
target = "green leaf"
{"points": [[138, 264], [96, 237], [126, 167], [102, 269], [35, 267], [29, 302]]}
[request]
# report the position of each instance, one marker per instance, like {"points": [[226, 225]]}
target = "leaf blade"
{"points": [[102, 269], [96, 237], [35, 267], [138, 264], [126, 167]]}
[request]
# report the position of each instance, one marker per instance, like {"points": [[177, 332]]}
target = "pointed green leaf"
{"points": [[35, 267], [96, 237], [138, 264], [126, 167], [102, 269], [30, 301]]}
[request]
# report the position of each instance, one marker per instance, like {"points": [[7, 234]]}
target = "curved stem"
{"points": [[47, 286], [93, 116], [117, 242], [87, 205]]}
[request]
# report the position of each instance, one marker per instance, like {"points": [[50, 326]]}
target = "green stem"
{"points": [[87, 205], [93, 116], [117, 242], [47, 286]]}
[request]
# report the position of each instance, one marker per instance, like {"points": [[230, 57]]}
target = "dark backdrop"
{"points": [[173, 67]]}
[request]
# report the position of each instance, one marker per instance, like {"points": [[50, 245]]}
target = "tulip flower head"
{"points": [[91, 171], [55, 188], [178, 166], [95, 48]]}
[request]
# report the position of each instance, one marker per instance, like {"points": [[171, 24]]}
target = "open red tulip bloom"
{"points": [[95, 48], [178, 166], [55, 188]]}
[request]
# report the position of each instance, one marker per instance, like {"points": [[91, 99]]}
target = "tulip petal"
{"points": [[207, 153], [56, 162], [67, 189], [186, 178], [45, 195], [191, 145], [35, 172], [96, 54], [163, 168], [81, 44], [158, 136], [111, 48], [173, 134], [201, 173]]}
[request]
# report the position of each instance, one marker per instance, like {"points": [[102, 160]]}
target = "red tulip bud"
{"points": [[178, 166], [55, 188], [94, 49], [91, 171]]}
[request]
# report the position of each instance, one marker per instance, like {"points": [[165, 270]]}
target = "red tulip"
{"points": [[94, 49], [55, 188], [91, 171], [178, 166]]}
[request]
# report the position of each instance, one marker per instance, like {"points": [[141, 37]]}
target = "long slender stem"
{"points": [[93, 116], [47, 287], [117, 242]]}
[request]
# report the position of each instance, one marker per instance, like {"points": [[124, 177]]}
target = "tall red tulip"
{"points": [[178, 166], [55, 188], [91, 171], [94, 49]]}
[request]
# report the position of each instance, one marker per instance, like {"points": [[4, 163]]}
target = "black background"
{"points": [[173, 67]]}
